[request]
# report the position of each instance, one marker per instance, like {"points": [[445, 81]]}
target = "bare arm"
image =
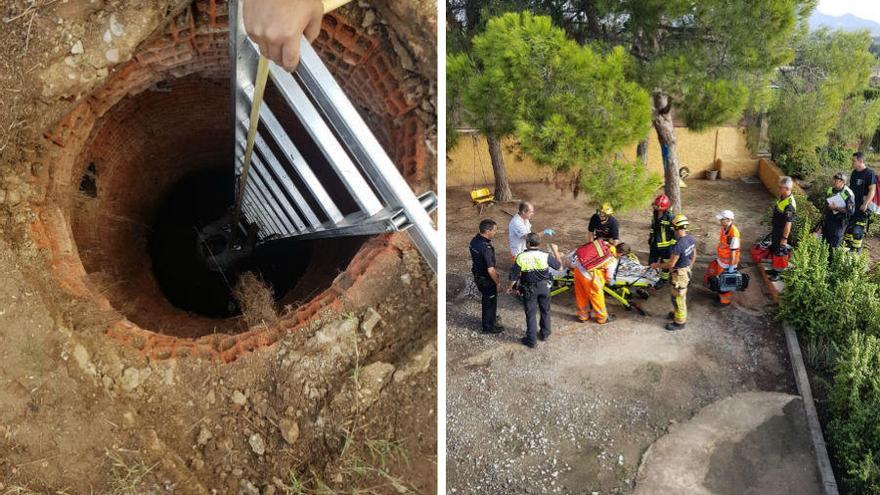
{"points": [[872, 189], [493, 274], [785, 231]]}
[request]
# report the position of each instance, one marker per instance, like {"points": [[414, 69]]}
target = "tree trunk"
{"points": [[662, 120], [502, 187], [642, 151]]}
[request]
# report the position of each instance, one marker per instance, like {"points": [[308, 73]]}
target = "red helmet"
{"points": [[662, 202]]}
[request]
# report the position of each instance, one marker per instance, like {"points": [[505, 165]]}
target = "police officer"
{"points": [[862, 182], [662, 236], [681, 261], [485, 275], [834, 216], [783, 219], [531, 273]]}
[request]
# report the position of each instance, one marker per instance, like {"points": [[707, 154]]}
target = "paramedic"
{"points": [[604, 226], [485, 274], [681, 260], [728, 253], [662, 237], [277, 26], [531, 269], [834, 217], [589, 283], [862, 182]]}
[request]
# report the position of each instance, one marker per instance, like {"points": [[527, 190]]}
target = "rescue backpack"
{"points": [[594, 254]]}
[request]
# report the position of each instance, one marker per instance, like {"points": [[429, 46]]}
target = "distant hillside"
{"points": [[846, 22]]}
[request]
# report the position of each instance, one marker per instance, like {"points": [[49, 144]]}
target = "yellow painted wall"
{"points": [[695, 151], [470, 158]]}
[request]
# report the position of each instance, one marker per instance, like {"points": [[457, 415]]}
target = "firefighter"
{"points": [[603, 225], [662, 236], [863, 183], [531, 274], [681, 261], [835, 216], [589, 283], [783, 218], [728, 253]]}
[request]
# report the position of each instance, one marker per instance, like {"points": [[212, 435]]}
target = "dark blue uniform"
{"points": [[834, 223], [532, 269], [859, 183], [483, 258]]}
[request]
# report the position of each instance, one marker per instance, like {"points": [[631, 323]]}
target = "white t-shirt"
{"points": [[517, 230]]}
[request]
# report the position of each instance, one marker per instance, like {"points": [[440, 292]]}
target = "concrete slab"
{"points": [[749, 443]]}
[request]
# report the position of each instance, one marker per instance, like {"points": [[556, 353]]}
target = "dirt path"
{"points": [[577, 414]]}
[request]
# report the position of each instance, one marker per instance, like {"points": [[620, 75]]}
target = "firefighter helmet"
{"points": [[606, 209], [662, 202], [680, 221]]}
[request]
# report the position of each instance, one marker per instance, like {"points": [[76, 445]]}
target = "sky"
{"points": [[866, 9]]}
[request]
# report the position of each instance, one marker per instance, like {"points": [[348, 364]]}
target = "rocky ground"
{"points": [[577, 414]]}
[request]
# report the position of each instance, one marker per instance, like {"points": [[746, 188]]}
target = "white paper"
{"points": [[837, 201]]}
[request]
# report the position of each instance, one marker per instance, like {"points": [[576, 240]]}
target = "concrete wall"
{"points": [[697, 151]]}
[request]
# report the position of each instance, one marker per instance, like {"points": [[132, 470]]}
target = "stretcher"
{"points": [[630, 280]]}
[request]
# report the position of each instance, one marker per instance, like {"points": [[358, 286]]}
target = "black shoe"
{"points": [[494, 330], [773, 275], [675, 326], [526, 343], [670, 315], [543, 336]]}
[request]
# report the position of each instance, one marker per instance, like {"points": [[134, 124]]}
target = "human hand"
{"points": [[277, 25], [864, 207]]}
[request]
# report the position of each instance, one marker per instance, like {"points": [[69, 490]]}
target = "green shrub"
{"points": [[836, 158], [854, 429], [624, 184], [800, 163], [807, 290]]}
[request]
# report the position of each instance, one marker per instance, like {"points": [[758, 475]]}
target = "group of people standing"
{"points": [[672, 251]]}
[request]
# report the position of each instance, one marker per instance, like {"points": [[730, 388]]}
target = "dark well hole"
{"points": [[289, 266]]}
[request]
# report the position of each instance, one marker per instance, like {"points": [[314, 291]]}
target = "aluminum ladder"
{"points": [[283, 195]]}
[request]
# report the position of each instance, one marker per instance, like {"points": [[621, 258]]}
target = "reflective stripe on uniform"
{"points": [[782, 203], [532, 260], [728, 247]]}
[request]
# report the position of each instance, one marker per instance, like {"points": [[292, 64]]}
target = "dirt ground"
{"points": [[344, 405], [577, 414]]}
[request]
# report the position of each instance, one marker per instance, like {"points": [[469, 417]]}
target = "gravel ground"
{"points": [[576, 414]]}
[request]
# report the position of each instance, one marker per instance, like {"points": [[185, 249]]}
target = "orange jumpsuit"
{"points": [[589, 292], [728, 256]]}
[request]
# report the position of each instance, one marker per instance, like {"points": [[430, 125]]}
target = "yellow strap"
{"points": [[259, 89]]}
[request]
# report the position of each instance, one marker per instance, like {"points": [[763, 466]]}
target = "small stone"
{"points": [[238, 398], [112, 55], [369, 18], [248, 488], [128, 417], [257, 444], [204, 436], [211, 398], [130, 379], [289, 430], [406, 278], [108, 37], [115, 27], [371, 319], [196, 463], [77, 48]]}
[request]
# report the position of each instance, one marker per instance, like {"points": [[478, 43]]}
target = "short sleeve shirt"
{"points": [[859, 183], [684, 248], [783, 213], [609, 230], [482, 256], [517, 230]]}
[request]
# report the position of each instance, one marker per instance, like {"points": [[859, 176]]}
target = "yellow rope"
{"points": [[256, 104]]}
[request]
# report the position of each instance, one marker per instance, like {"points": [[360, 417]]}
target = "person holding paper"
{"points": [[839, 206]]}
